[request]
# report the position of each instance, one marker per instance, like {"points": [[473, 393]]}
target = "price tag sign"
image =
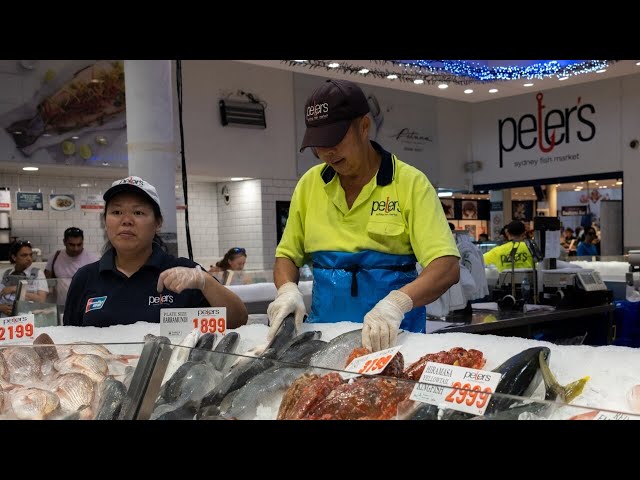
{"points": [[371, 364], [18, 329], [458, 388], [615, 416], [177, 323]]}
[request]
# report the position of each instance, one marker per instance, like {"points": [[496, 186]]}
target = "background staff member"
{"points": [[65, 263], [135, 277], [499, 256], [363, 217]]}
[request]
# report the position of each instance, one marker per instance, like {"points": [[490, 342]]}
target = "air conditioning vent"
{"points": [[242, 114]]}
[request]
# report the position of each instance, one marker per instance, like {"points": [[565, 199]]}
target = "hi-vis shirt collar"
{"points": [[385, 172]]}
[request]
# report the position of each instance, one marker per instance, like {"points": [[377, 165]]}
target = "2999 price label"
{"points": [[177, 323], [18, 329], [371, 364], [458, 388]]}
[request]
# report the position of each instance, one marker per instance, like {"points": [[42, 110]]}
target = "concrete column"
{"points": [[150, 142]]}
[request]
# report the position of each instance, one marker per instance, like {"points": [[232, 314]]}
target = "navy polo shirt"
{"points": [[100, 296]]}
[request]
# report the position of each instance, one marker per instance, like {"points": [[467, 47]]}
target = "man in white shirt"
{"points": [[21, 255], [65, 263]]}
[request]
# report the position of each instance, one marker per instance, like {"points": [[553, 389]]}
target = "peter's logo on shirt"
{"points": [[95, 303], [385, 206], [519, 257], [160, 299]]}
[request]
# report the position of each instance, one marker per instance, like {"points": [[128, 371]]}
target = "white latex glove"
{"points": [[288, 300], [381, 324], [178, 279]]}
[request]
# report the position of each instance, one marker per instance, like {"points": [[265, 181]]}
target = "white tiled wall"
{"points": [[249, 220]]}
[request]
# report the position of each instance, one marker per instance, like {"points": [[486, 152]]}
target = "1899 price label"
{"points": [[178, 323], [210, 325], [16, 329]]}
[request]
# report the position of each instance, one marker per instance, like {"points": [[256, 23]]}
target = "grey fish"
{"points": [[266, 387], [301, 353], [170, 391], [185, 412], [285, 333], [210, 404], [44, 346], [150, 337], [224, 351], [112, 393], [128, 375], [203, 346], [302, 338], [335, 354], [180, 353]]}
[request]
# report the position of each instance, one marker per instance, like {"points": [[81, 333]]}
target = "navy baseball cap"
{"points": [[329, 111]]}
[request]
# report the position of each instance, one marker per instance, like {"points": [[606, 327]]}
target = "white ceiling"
{"points": [[456, 92]]}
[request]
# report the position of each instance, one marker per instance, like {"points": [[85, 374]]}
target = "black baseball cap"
{"points": [[329, 111]]}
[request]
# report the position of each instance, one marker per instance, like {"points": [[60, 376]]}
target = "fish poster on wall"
{"points": [[74, 114], [522, 210], [62, 203]]}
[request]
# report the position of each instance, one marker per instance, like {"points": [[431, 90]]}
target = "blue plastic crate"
{"points": [[627, 317]]}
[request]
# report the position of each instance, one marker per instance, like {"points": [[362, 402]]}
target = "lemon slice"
{"points": [[85, 152], [68, 148]]}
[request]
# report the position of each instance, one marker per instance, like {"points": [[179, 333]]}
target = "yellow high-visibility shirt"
{"points": [[500, 254]]}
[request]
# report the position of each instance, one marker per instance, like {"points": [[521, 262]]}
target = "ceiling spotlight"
{"points": [[563, 78], [30, 169], [236, 179], [363, 71], [468, 91], [445, 194], [592, 181], [300, 61], [493, 90], [85, 184], [530, 84], [442, 86], [418, 81], [393, 76], [333, 65], [619, 182], [602, 70]]}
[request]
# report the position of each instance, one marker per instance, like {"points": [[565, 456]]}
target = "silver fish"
{"points": [[93, 366], [266, 388], [203, 347], [180, 353], [337, 351], [33, 403], [4, 369], [224, 351], [24, 364], [75, 391]]}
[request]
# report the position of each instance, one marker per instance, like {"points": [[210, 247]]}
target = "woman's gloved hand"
{"points": [[178, 279], [381, 324], [288, 300]]}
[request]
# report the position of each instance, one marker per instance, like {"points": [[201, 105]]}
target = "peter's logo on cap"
{"points": [[138, 182], [315, 111]]}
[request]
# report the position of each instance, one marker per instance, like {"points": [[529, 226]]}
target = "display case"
{"points": [[303, 377]]}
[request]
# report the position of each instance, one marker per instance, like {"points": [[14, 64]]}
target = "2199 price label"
{"points": [[371, 364], [16, 329], [458, 388]]}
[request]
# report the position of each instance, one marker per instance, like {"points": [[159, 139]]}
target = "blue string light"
{"points": [[484, 73]]}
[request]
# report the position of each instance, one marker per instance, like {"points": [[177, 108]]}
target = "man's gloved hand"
{"points": [[289, 300], [381, 324], [178, 279]]}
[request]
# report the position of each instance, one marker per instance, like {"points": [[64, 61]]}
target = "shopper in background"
{"points": [[587, 247], [234, 259], [363, 217], [21, 255], [500, 256], [483, 237], [65, 263], [136, 278]]}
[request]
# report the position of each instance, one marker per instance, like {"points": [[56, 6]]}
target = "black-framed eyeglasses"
{"points": [[238, 250], [73, 232]]}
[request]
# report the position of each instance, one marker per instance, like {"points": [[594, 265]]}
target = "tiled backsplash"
{"points": [[249, 220]]}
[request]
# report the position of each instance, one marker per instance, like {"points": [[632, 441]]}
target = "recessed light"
{"points": [[30, 169], [592, 181], [300, 61], [393, 76], [236, 179], [445, 194], [418, 81], [602, 70], [562, 78], [527, 85], [17, 132], [85, 184], [493, 90], [442, 86], [105, 164], [638, 64], [333, 65], [363, 71], [75, 137], [619, 182], [468, 91]]}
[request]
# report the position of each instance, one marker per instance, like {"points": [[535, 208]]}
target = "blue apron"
{"points": [[346, 286]]}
